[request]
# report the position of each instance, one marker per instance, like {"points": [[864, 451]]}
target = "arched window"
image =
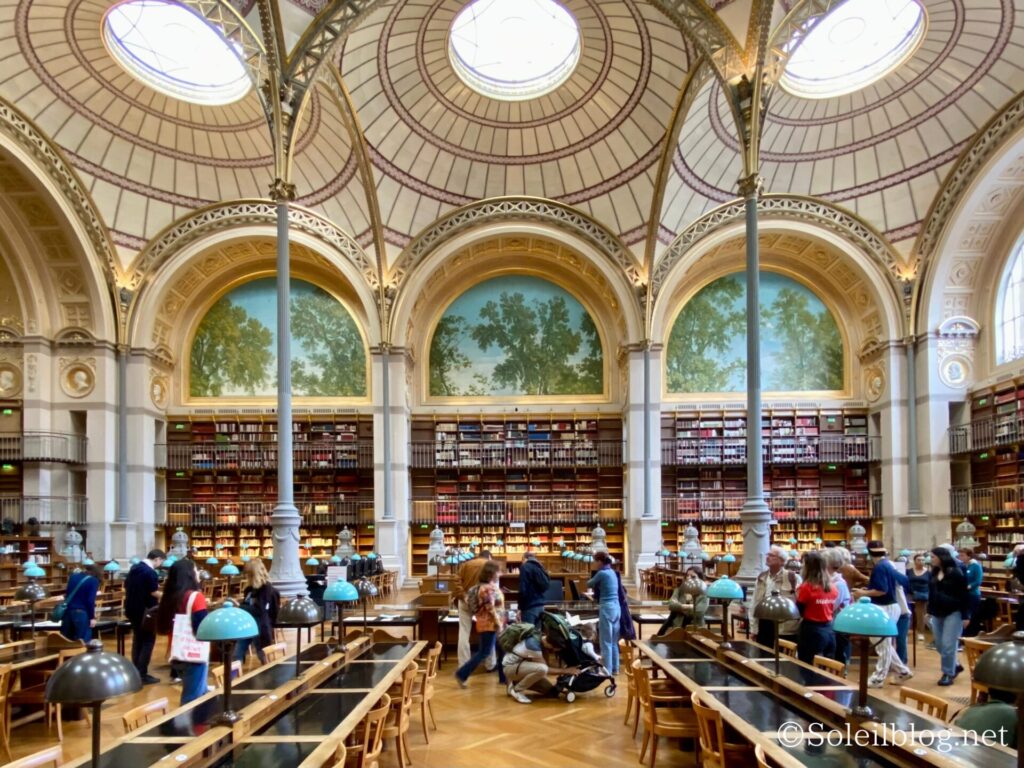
{"points": [[1010, 309]]}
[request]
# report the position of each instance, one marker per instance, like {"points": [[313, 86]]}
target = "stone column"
{"points": [[37, 399], [885, 383], [391, 435], [136, 535], [643, 455]]}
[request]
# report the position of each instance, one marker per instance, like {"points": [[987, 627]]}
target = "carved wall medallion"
{"points": [[955, 371], [874, 382], [77, 378], [10, 380], [159, 387]]}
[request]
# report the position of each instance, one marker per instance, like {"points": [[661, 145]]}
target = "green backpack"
{"points": [[514, 634]]}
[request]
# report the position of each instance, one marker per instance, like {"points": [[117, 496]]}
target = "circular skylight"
{"points": [[514, 49], [858, 43], [175, 51]]}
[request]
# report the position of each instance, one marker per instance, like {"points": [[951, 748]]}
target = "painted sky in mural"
{"points": [[516, 335], [234, 349], [801, 348]]}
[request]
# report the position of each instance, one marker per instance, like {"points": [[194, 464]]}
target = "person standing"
{"points": [[488, 617], [834, 561], [919, 576], [975, 573], [533, 587], [469, 576], [948, 610], [261, 601], [80, 603], [816, 599], [141, 592], [852, 575], [776, 578], [183, 596], [881, 589], [606, 587]]}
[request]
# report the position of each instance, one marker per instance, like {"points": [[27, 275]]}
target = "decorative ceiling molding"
{"points": [[707, 31], [514, 209], [794, 27], [774, 207]]}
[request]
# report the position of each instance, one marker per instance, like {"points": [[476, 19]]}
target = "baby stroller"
{"points": [[569, 644]]}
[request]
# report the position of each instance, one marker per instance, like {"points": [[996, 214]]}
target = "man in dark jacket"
{"points": [[533, 586], [141, 591]]}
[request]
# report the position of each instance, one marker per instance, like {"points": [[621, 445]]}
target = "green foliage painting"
{"points": [[801, 349], [516, 335], [234, 351]]}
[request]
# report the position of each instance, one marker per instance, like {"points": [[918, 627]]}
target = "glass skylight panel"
{"points": [[514, 49], [175, 51], [855, 45]]}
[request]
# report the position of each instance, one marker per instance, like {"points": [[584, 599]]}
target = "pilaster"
{"points": [[391, 435], [643, 455]]}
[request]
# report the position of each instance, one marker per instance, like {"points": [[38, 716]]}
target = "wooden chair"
{"points": [[218, 673], [673, 722], [423, 690], [787, 648], [397, 724], [716, 752], [6, 683], [275, 652], [762, 760], [143, 713], [367, 740], [339, 757], [926, 702], [830, 665], [659, 687], [51, 756], [674, 635], [54, 710], [380, 636], [973, 648]]}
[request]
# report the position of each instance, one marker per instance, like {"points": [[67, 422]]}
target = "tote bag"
{"points": [[184, 646]]}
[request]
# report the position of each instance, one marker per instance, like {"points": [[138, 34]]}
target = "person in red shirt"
{"points": [[816, 598]]}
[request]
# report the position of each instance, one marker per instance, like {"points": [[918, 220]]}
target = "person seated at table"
{"points": [[527, 668], [997, 715], [683, 608], [80, 603], [816, 599]]}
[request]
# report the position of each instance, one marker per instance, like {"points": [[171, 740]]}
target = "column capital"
{"points": [[750, 186], [282, 191]]}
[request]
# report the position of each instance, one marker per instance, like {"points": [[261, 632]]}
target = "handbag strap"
{"points": [[70, 597], [188, 605]]}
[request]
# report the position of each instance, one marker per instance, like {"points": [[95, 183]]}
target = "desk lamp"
{"points": [[88, 561], [111, 569], [366, 590], [90, 679], [32, 593], [341, 591], [335, 560], [726, 590], [226, 625], [776, 609], [299, 612], [212, 561], [313, 562], [1002, 667], [862, 621], [729, 559]]}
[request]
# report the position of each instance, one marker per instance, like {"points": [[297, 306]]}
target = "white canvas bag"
{"points": [[184, 646]]}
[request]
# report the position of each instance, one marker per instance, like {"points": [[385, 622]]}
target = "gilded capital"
{"points": [[281, 191], [750, 186]]}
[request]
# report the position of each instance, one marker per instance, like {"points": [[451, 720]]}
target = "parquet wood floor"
{"points": [[482, 728]]}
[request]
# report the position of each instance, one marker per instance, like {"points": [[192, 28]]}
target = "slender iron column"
{"points": [[914, 490]]}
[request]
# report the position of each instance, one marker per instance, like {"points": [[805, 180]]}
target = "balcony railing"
{"points": [[986, 499], [725, 505], [704, 451], [47, 510], [520, 453], [226, 457], [982, 434], [44, 446], [226, 514], [504, 510]]}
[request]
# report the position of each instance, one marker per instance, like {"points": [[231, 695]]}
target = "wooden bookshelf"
{"points": [[10, 449], [255, 541]]}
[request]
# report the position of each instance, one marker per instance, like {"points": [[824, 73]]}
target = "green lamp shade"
{"points": [[356, 556], [112, 567], [793, 553], [905, 553], [212, 561], [725, 589], [168, 561], [28, 564], [567, 553], [35, 572], [1002, 665], [313, 562], [227, 623], [588, 559], [229, 570], [88, 561], [662, 553], [500, 542], [135, 560], [792, 539], [92, 677], [371, 556], [729, 558], [1009, 561], [341, 591], [817, 540], [335, 560], [246, 558], [865, 619]]}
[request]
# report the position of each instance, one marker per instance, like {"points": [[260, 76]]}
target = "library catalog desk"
{"points": [[286, 720], [801, 717]]}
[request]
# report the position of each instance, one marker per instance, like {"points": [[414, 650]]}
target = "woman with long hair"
{"points": [[183, 595], [609, 613], [489, 617], [948, 610], [261, 600], [815, 597]]}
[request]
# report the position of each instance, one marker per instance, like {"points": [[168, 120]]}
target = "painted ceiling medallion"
{"points": [[514, 50]]}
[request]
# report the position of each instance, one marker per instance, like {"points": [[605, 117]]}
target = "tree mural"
{"points": [[532, 339], [234, 350], [801, 347]]}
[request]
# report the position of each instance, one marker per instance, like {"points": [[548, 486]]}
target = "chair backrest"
{"points": [[433, 661], [642, 678], [926, 702], [972, 650], [143, 713], [55, 641], [380, 636], [830, 665], [762, 760], [46, 757], [711, 730], [403, 708], [787, 647], [218, 673], [275, 652], [339, 757], [675, 634]]}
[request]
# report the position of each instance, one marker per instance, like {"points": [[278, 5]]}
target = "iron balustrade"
{"points": [[982, 434], [987, 499], [504, 509], [517, 453], [57, 447], [807, 505], [231, 456], [232, 513], [47, 510], [826, 449]]}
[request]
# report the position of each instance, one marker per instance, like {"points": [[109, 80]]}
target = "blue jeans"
{"points": [[193, 681], [75, 625], [815, 638], [242, 647], [483, 650], [531, 614], [608, 627], [902, 627], [946, 630]]}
